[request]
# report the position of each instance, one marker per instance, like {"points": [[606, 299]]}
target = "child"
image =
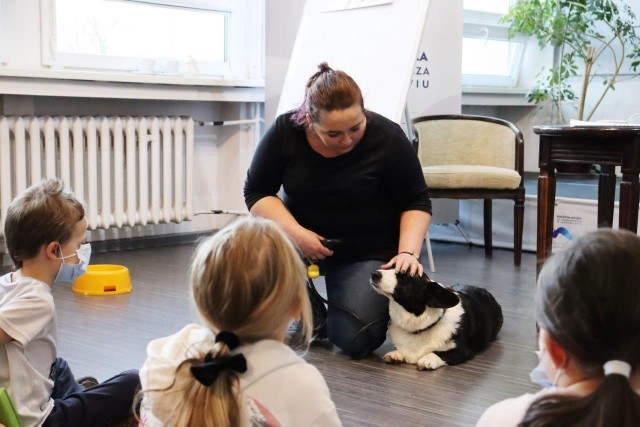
{"points": [[588, 311], [248, 284], [44, 233]]}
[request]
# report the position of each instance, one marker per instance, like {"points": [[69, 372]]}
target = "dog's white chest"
{"points": [[414, 346]]}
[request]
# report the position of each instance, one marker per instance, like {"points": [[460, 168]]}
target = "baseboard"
{"points": [[113, 245], [148, 241]]}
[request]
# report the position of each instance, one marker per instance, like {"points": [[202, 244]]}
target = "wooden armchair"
{"points": [[474, 157]]}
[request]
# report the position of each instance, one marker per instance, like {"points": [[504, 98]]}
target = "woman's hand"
{"points": [[310, 245], [273, 208], [404, 263]]}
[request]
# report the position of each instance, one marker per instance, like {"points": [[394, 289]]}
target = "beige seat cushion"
{"points": [[465, 176]]}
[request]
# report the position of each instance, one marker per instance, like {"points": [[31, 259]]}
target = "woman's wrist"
{"points": [[408, 253]]}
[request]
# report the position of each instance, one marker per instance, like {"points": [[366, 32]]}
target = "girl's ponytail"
{"points": [[206, 387], [613, 403]]}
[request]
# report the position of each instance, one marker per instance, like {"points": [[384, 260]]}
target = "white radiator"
{"points": [[127, 170]]}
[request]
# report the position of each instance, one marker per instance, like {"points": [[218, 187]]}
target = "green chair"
{"points": [[8, 415]]}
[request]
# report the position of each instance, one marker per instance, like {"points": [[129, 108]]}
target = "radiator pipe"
{"points": [[255, 139], [222, 212], [229, 122]]}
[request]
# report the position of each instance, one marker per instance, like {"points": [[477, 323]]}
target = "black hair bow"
{"points": [[209, 370]]}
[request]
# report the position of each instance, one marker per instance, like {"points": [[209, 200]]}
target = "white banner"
{"points": [[575, 217], [436, 86]]}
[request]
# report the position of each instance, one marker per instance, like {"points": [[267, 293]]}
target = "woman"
{"points": [[348, 174], [588, 311]]}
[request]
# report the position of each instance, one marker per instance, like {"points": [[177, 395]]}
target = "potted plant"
{"points": [[583, 34]]}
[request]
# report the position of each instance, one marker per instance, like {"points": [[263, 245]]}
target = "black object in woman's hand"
{"points": [[331, 243]]}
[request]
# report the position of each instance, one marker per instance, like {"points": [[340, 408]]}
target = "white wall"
{"points": [[20, 38]]}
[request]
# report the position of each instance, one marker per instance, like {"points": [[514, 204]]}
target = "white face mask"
{"points": [[70, 272]]}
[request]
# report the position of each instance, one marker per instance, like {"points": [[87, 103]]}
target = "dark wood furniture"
{"points": [[605, 146]]}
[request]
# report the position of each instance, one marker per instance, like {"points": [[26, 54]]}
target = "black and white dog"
{"points": [[433, 325]]}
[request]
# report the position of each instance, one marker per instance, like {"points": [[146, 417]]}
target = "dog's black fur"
{"points": [[419, 326]]}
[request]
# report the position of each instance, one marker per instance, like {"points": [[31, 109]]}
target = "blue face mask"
{"points": [[539, 376], [70, 272]]}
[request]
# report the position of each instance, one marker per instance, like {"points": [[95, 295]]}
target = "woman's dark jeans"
{"points": [[357, 316]]}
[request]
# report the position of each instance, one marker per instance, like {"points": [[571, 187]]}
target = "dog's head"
{"points": [[414, 293]]}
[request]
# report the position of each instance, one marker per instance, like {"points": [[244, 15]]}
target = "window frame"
{"points": [[236, 64], [486, 25]]}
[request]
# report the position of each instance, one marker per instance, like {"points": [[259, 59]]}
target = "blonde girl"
{"points": [[247, 284]]}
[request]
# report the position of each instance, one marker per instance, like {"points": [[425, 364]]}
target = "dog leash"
{"points": [[365, 326]]}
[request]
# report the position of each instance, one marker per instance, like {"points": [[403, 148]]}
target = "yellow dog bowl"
{"points": [[103, 279]]}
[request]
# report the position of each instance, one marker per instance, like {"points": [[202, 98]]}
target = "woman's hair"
{"points": [[247, 279], [587, 299], [327, 90], [43, 213]]}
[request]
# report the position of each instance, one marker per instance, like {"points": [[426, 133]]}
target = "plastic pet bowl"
{"points": [[103, 279]]}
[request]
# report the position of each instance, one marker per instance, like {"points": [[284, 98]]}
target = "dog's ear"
{"points": [[439, 296]]}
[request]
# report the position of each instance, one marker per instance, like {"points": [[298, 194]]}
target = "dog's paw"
{"points": [[394, 357], [430, 362]]}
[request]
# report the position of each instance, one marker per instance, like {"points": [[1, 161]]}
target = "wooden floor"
{"points": [[102, 336]]}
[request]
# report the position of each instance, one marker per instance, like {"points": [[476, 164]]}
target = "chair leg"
{"points": [[488, 228], [518, 228], [427, 242], [462, 233]]}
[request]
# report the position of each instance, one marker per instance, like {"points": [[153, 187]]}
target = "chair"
{"points": [[8, 415], [474, 157]]}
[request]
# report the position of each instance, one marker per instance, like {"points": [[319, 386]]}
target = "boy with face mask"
{"points": [[44, 233]]}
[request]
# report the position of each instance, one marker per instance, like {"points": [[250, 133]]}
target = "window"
{"points": [[489, 58], [152, 37]]}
